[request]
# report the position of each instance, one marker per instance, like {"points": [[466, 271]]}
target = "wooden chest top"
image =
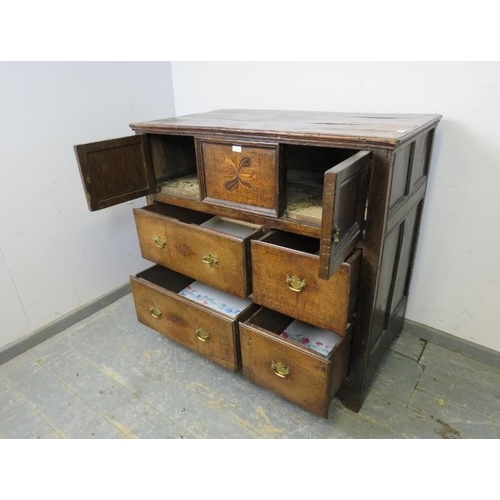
{"points": [[364, 129]]}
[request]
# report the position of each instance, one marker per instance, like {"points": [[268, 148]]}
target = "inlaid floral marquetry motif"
{"points": [[241, 174]]}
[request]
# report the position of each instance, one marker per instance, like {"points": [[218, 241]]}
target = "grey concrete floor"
{"points": [[111, 377]]}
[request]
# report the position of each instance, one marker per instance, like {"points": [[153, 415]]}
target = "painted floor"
{"points": [[111, 377]]}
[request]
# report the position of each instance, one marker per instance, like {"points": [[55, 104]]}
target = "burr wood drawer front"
{"points": [[207, 331], [285, 278], [207, 248], [287, 367]]}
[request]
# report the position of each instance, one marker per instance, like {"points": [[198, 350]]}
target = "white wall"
{"points": [[456, 282], [55, 255]]}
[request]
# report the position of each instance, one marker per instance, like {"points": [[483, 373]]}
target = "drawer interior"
{"points": [[195, 291], [306, 167], [299, 334], [165, 278], [223, 225], [303, 244], [181, 214], [292, 241]]}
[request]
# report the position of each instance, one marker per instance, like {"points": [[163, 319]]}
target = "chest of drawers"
{"points": [[283, 241]]}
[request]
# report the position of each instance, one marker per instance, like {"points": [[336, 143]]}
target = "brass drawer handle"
{"points": [[295, 283], [155, 311], [159, 241], [280, 369], [202, 334], [210, 259]]}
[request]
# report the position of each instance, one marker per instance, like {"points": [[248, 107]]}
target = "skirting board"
{"points": [[38, 336], [443, 339]]}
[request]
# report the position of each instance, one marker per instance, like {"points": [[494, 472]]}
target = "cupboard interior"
{"points": [[305, 170], [174, 165], [175, 169]]}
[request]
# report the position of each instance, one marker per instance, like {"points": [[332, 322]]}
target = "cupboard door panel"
{"points": [[344, 196], [115, 171]]}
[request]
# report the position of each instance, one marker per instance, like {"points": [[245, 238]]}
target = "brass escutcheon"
{"points": [[159, 242], [295, 283], [280, 369], [336, 234], [155, 311], [210, 259], [202, 334]]}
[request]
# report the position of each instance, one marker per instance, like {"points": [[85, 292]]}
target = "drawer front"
{"points": [[212, 258], [287, 281], [192, 326], [152, 234], [209, 256], [242, 175], [301, 377]]}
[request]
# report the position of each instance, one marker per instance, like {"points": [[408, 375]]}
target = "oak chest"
{"points": [[283, 241]]}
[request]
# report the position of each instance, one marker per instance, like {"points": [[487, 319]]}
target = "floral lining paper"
{"points": [[215, 299], [317, 339]]}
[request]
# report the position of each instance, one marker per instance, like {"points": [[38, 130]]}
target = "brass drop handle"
{"points": [[155, 311], [202, 334], [159, 241], [295, 283], [210, 259], [280, 369]]}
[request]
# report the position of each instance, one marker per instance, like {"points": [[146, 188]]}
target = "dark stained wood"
{"points": [[386, 269], [179, 317], [423, 147], [405, 204], [313, 379], [115, 171], [323, 303], [354, 389], [187, 244], [399, 288], [401, 174], [388, 273], [344, 201], [172, 156], [360, 129], [242, 175]]}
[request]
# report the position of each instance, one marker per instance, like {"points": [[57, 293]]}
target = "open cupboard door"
{"points": [[343, 211], [115, 171]]}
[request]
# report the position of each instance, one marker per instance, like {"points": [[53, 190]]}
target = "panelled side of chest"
{"points": [[396, 195]]}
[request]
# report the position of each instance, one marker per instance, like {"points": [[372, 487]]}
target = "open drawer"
{"points": [[195, 315], [211, 249], [281, 354], [285, 278]]}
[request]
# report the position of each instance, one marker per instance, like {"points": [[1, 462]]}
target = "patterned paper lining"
{"points": [[317, 339], [215, 299]]}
